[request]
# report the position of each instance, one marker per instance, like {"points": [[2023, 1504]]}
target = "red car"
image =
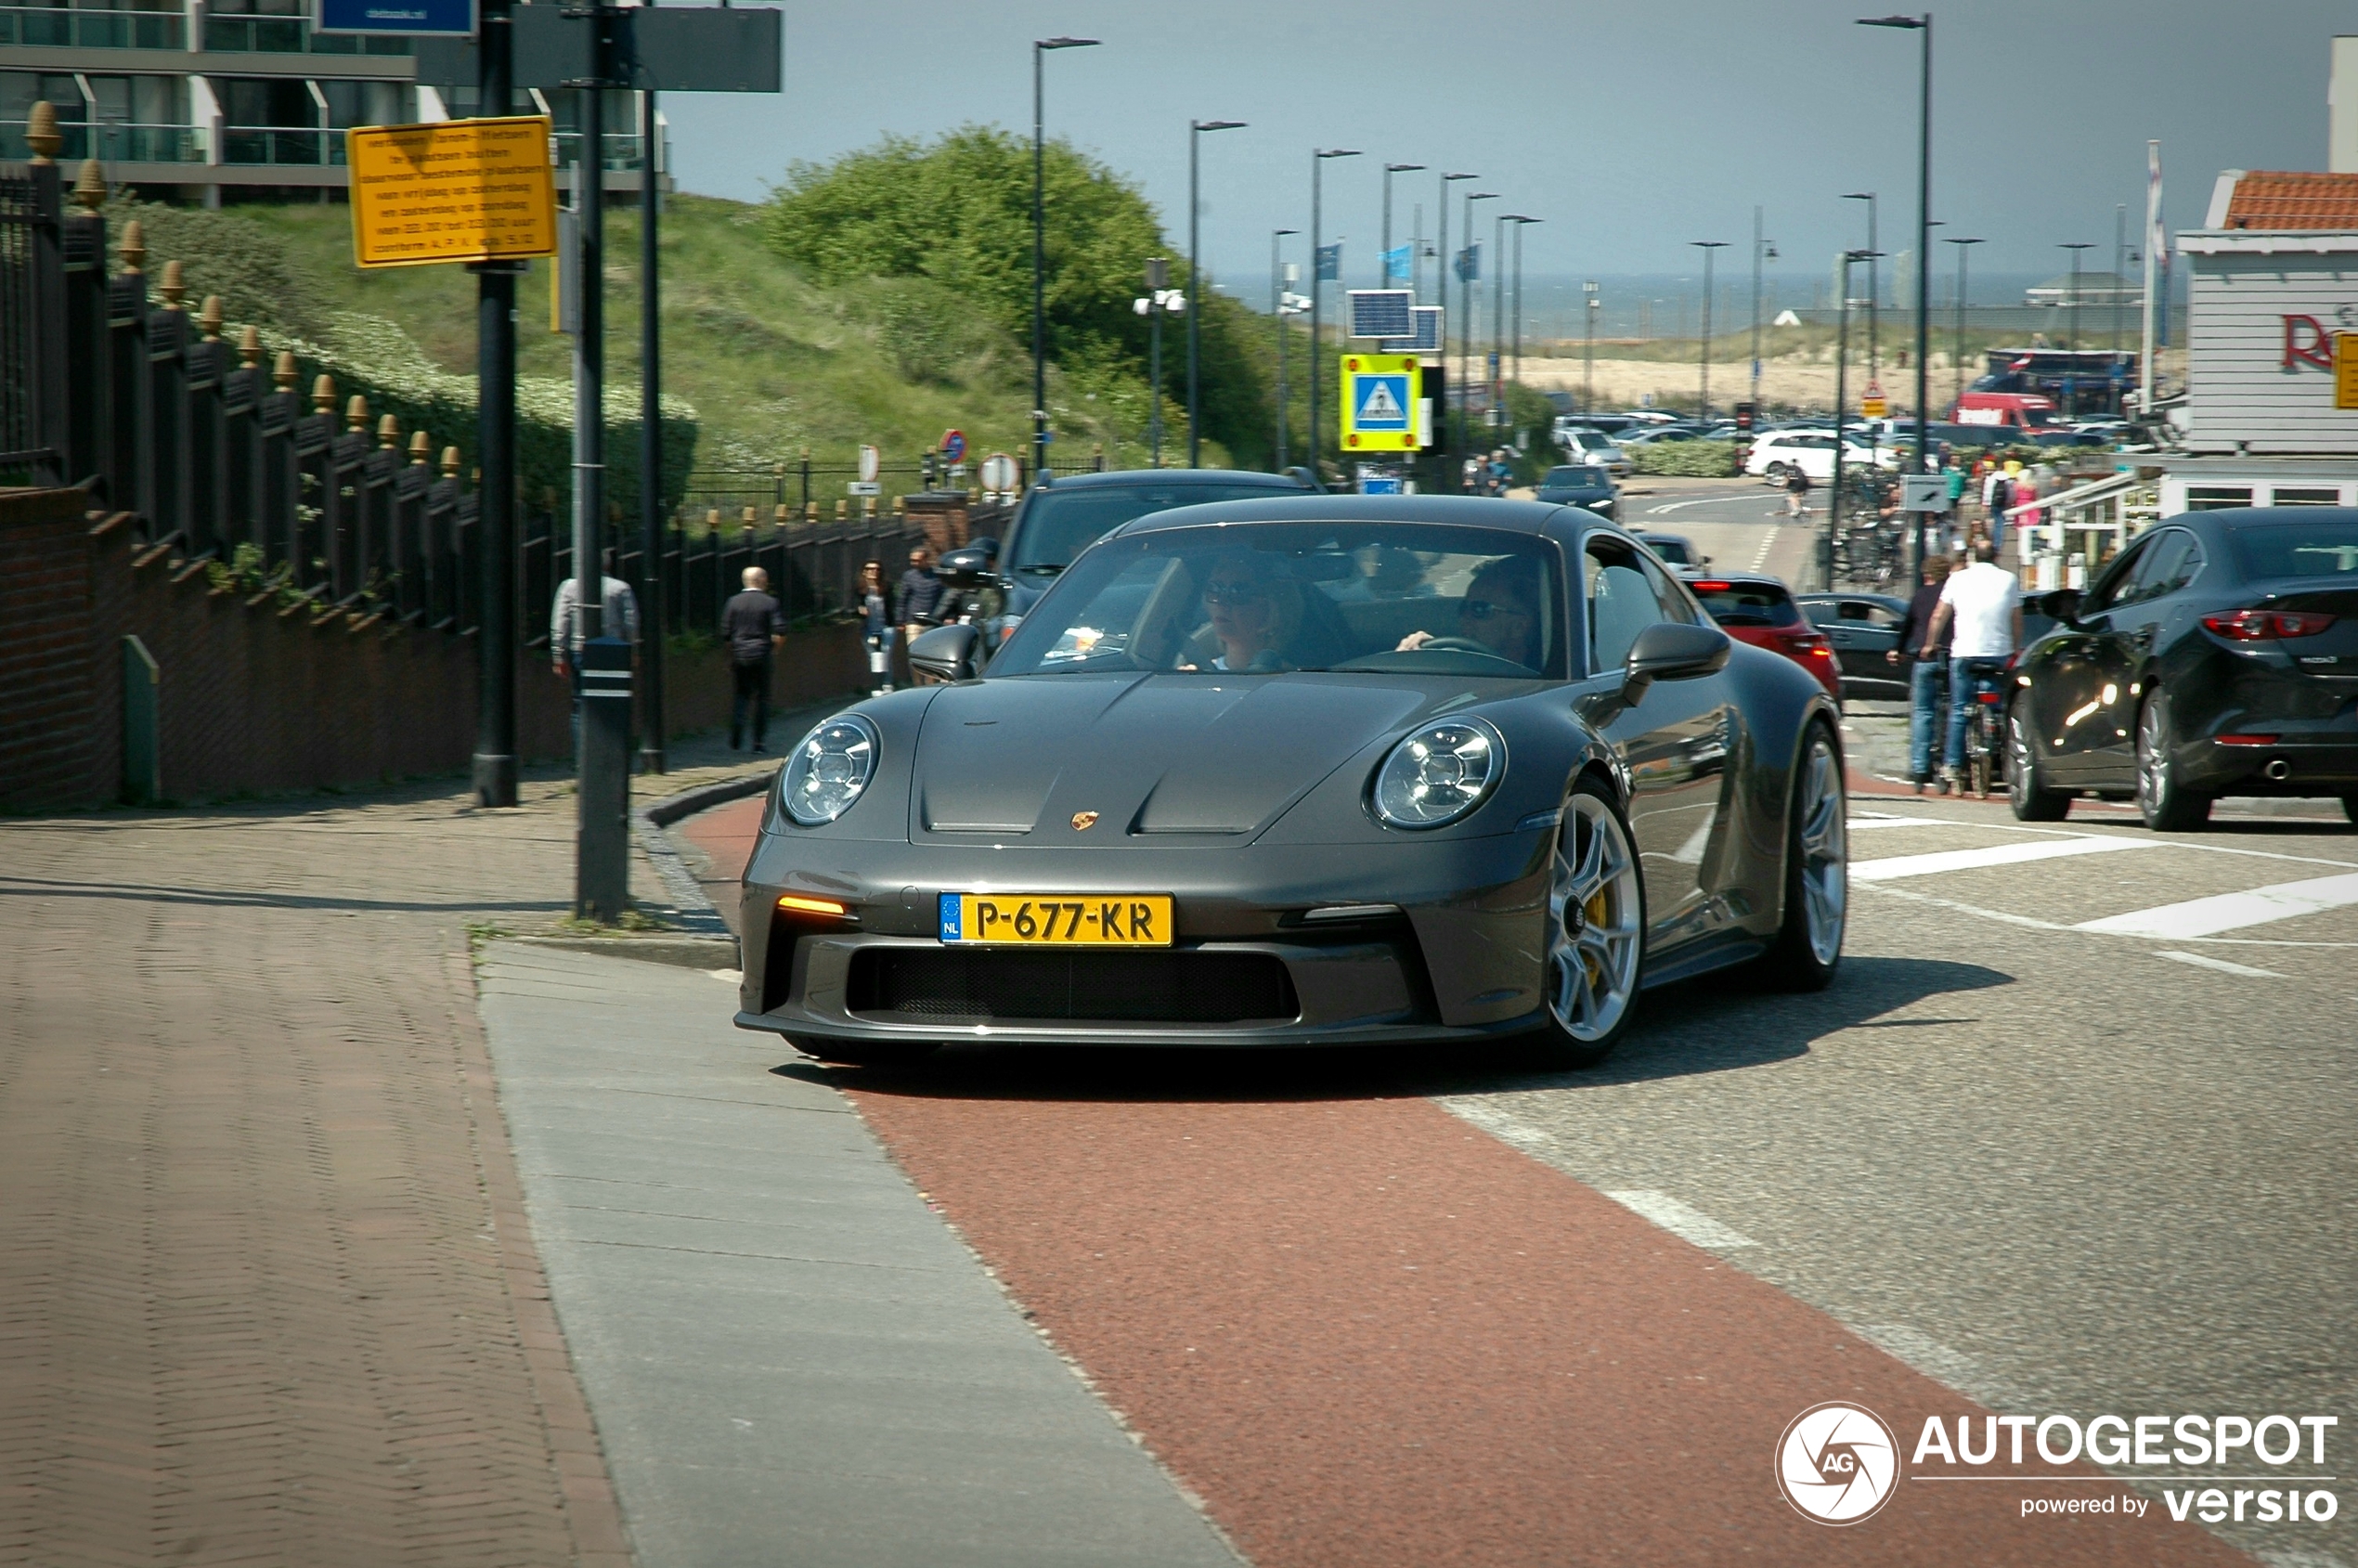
{"points": [[1760, 611]]}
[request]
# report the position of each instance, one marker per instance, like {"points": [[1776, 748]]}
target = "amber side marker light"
{"points": [[813, 906]]}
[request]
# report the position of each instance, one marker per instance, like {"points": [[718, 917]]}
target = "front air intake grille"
{"points": [[990, 985]]}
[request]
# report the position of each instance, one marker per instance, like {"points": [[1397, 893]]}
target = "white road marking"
{"points": [[2221, 965], [1688, 1224], [2228, 911], [1761, 560], [2029, 923], [1857, 822], [1674, 506], [1923, 1353], [1994, 855]]}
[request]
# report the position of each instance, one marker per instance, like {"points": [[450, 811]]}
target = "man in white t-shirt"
{"points": [[1984, 603]]}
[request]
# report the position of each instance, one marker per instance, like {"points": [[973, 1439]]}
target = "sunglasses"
{"points": [[1483, 610], [1234, 594]]}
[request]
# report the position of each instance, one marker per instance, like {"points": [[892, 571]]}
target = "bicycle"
{"points": [[1984, 765]]}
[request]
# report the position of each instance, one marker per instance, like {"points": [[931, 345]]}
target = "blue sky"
{"points": [[1629, 128]]}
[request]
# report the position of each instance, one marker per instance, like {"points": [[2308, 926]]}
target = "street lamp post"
{"points": [[1922, 25], [1703, 395], [1441, 291], [2071, 344], [1762, 250], [1588, 354], [1465, 327], [1842, 405], [1958, 356], [1383, 254], [1195, 128], [1521, 222], [1154, 307], [1318, 157], [1277, 315], [1497, 320], [1040, 47], [1875, 284]]}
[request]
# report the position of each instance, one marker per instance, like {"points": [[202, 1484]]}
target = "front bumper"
{"points": [[1461, 960]]}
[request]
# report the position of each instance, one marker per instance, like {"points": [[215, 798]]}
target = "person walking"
{"points": [[876, 608], [1983, 604], [918, 603], [753, 627], [1927, 672], [1797, 492], [619, 617], [1954, 520]]}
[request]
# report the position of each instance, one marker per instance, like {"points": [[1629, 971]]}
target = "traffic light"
{"points": [[1746, 413]]}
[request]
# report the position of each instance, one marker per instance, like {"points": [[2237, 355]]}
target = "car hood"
{"points": [[1148, 754]]}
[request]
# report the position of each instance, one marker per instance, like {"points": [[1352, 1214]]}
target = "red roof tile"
{"points": [[2274, 201]]}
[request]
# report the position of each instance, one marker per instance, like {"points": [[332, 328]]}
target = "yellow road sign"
{"points": [[1874, 406], [1379, 402], [454, 190], [2346, 370]]}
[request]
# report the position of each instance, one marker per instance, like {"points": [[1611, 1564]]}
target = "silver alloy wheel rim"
{"points": [[1593, 927], [2018, 762], [1825, 852], [2152, 760]]}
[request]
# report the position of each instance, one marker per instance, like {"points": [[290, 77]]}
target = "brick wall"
{"points": [[254, 698]]}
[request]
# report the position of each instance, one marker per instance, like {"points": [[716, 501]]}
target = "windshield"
{"points": [[1575, 478], [1060, 524], [1747, 603], [1670, 550], [2299, 550], [1262, 598]]}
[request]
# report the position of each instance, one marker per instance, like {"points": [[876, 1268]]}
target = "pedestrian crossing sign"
{"points": [[1379, 402]]}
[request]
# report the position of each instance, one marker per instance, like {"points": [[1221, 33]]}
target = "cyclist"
{"points": [[1983, 605]]}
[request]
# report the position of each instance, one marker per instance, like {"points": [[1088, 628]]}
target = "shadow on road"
{"points": [[1707, 1026]]}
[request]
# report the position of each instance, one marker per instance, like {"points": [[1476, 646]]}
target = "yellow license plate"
{"points": [[1057, 919]]}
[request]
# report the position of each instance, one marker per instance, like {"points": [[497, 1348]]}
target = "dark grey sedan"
{"points": [[1333, 770], [1582, 485]]}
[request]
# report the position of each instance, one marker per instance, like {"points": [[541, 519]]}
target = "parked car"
{"points": [[1594, 447], [1660, 434], [1760, 609], [2218, 654], [1060, 519], [1774, 455], [1862, 627], [1582, 485], [1611, 424], [1258, 828], [1676, 551]]}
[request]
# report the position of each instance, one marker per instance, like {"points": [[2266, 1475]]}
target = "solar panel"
{"points": [[1427, 337], [1382, 313]]}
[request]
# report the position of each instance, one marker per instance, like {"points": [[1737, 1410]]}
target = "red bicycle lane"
{"points": [[1367, 1333]]}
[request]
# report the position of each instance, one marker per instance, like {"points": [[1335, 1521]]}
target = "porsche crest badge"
{"points": [[1083, 820]]}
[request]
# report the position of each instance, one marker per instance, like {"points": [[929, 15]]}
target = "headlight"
{"points": [[1439, 773], [829, 770]]}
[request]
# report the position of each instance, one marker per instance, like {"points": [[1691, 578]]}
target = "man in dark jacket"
{"points": [[918, 603], [1927, 673], [752, 626]]}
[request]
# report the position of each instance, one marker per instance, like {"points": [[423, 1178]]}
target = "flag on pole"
{"points": [[1330, 263], [2157, 243], [1469, 264], [1396, 261]]}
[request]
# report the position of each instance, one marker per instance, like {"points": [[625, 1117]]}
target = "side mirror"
{"points": [[969, 566], [1667, 651], [2061, 605], [947, 653]]}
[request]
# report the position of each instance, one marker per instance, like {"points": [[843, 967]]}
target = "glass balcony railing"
{"points": [[281, 147], [112, 143], [62, 27], [290, 36], [619, 150]]}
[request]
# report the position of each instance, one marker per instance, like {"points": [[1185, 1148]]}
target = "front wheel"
{"points": [[1808, 944], [2026, 789], [1595, 931], [2169, 806]]}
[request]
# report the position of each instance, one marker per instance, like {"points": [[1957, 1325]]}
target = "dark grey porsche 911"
{"points": [[1327, 770]]}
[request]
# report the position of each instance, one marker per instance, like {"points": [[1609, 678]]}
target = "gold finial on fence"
{"points": [[283, 374], [133, 246], [779, 469], [900, 508], [389, 434], [209, 317], [784, 516], [712, 518], [323, 392], [250, 346], [450, 462], [810, 511], [421, 449], [748, 517], [90, 186], [355, 415], [174, 287], [40, 132], [843, 510]]}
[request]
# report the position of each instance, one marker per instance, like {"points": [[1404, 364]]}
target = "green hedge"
{"points": [[1693, 460]]}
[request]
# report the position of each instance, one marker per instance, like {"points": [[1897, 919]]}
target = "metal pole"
{"points": [[1588, 365], [650, 607], [1310, 437], [2153, 230], [601, 872], [1383, 250], [1756, 311], [1039, 272], [1465, 330], [1277, 319], [494, 755], [2071, 377], [1520, 223], [1964, 288], [1842, 404], [1498, 316], [1154, 368], [1924, 296], [1702, 395], [1195, 295]]}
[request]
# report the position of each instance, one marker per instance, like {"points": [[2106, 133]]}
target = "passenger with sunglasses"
{"points": [[1254, 609], [1501, 610]]}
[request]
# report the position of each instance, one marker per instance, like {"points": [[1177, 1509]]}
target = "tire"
{"points": [[1594, 966], [862, 1053], [2350, 807], [1817, 881], [2169, 806], [2026, 789]]}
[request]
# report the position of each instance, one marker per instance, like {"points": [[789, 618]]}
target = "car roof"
{"points": [[1650, 535], [1521, 517], [1826, 597], [1747, 579], [1174, 476]]}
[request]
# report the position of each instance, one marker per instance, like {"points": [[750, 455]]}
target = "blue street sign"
{"points": [[1381, 404], [954, 446], [1330, 263], [423, 18]]}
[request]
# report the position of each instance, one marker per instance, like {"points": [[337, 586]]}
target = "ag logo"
{"points": [[1837, 1463]]}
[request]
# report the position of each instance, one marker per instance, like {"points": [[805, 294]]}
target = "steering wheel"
{"points": [[1455, 645]]}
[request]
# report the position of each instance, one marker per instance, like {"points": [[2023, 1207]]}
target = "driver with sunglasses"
{"points": [[1500, 612]]}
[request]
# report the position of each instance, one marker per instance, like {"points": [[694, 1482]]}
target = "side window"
{"points": [[2160, 571], [2189, 565], [2111, 588], [1625, 593], [1670, 602]]}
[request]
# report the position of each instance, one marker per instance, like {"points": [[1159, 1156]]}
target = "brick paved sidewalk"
{"points": [[266, 1294]]}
